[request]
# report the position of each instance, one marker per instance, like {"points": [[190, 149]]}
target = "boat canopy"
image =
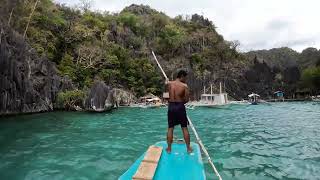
{"points": [[278, 92], [253, 95], [153, 99], [149, 98]]}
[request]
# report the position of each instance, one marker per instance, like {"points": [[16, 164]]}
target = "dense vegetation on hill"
{"points": [[115, 48], [278, 58], [287, 61], [89, 45]]}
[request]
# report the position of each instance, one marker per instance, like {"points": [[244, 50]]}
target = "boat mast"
{"points": [[220, 88], [211, 89]]}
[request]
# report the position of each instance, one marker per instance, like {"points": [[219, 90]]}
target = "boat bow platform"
{"points": [[178, 165]]}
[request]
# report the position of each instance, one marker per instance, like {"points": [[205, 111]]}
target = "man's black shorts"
{"points": [[177, 114]]}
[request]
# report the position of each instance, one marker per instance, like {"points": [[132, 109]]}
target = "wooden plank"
{"points": [[153, 154], [149, 164], [145, 171]]}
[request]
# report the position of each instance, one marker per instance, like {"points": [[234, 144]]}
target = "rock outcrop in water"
{"points": [[28, 83], [100, 98], [123, 98]]}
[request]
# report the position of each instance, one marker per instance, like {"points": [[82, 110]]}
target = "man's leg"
{"points": [[187, 138], [169, 139]]}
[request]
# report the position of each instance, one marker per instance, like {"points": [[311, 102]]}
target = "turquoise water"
{"points": [[276, 141]]}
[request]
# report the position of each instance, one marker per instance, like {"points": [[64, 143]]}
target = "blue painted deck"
{"points": [[178, 165]]}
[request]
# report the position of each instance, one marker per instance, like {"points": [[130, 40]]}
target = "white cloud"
{"points": [[257, 24]]}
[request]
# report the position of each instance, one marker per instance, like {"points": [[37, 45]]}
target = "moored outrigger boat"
{"points": [[254, 98], [148, 101], [316, 98], [211, 100]]}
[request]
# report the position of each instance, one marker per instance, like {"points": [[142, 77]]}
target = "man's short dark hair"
{"points": [[182, 73]]}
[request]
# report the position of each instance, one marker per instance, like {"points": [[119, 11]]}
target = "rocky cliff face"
{"points": [[28, 83], [100, 98], [278, 58], [309, 57], [123, 98], [259, 79], [273, 70]]}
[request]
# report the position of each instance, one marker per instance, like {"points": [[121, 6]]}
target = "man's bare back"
{"points": [[178, 96], [178, 91]]}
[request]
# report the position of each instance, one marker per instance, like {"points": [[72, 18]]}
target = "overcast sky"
{"points": [[257, 24]]}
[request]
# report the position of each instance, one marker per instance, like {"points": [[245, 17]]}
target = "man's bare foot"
{"points": [[189, 150], [168, 150]]}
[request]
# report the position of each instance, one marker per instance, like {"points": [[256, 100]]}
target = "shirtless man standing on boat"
{"points": [[178, 96]]}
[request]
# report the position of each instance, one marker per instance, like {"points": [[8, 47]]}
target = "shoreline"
{"points": [[110, 111], [288, 100]]}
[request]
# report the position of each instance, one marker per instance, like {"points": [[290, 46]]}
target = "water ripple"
{"points": [[277, 141]]}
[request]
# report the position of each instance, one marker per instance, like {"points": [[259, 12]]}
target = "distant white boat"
{"points": [[254, 98], [148, 101], [316, 98], [211, 100]]}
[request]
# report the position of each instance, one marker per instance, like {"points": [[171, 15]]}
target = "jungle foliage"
{"points": [[87, 45], [115, 47]]}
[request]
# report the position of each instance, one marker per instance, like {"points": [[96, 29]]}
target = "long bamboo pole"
{"points": [[34, 8], [204, 149], [155, 58], [10, 16], [1, 35]]}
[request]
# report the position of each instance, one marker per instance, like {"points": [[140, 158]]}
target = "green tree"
{"points": [[67, 67], [171, 38], [70, 99], [87, 44], [318, 63], [311, 78], [129, 20]]}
